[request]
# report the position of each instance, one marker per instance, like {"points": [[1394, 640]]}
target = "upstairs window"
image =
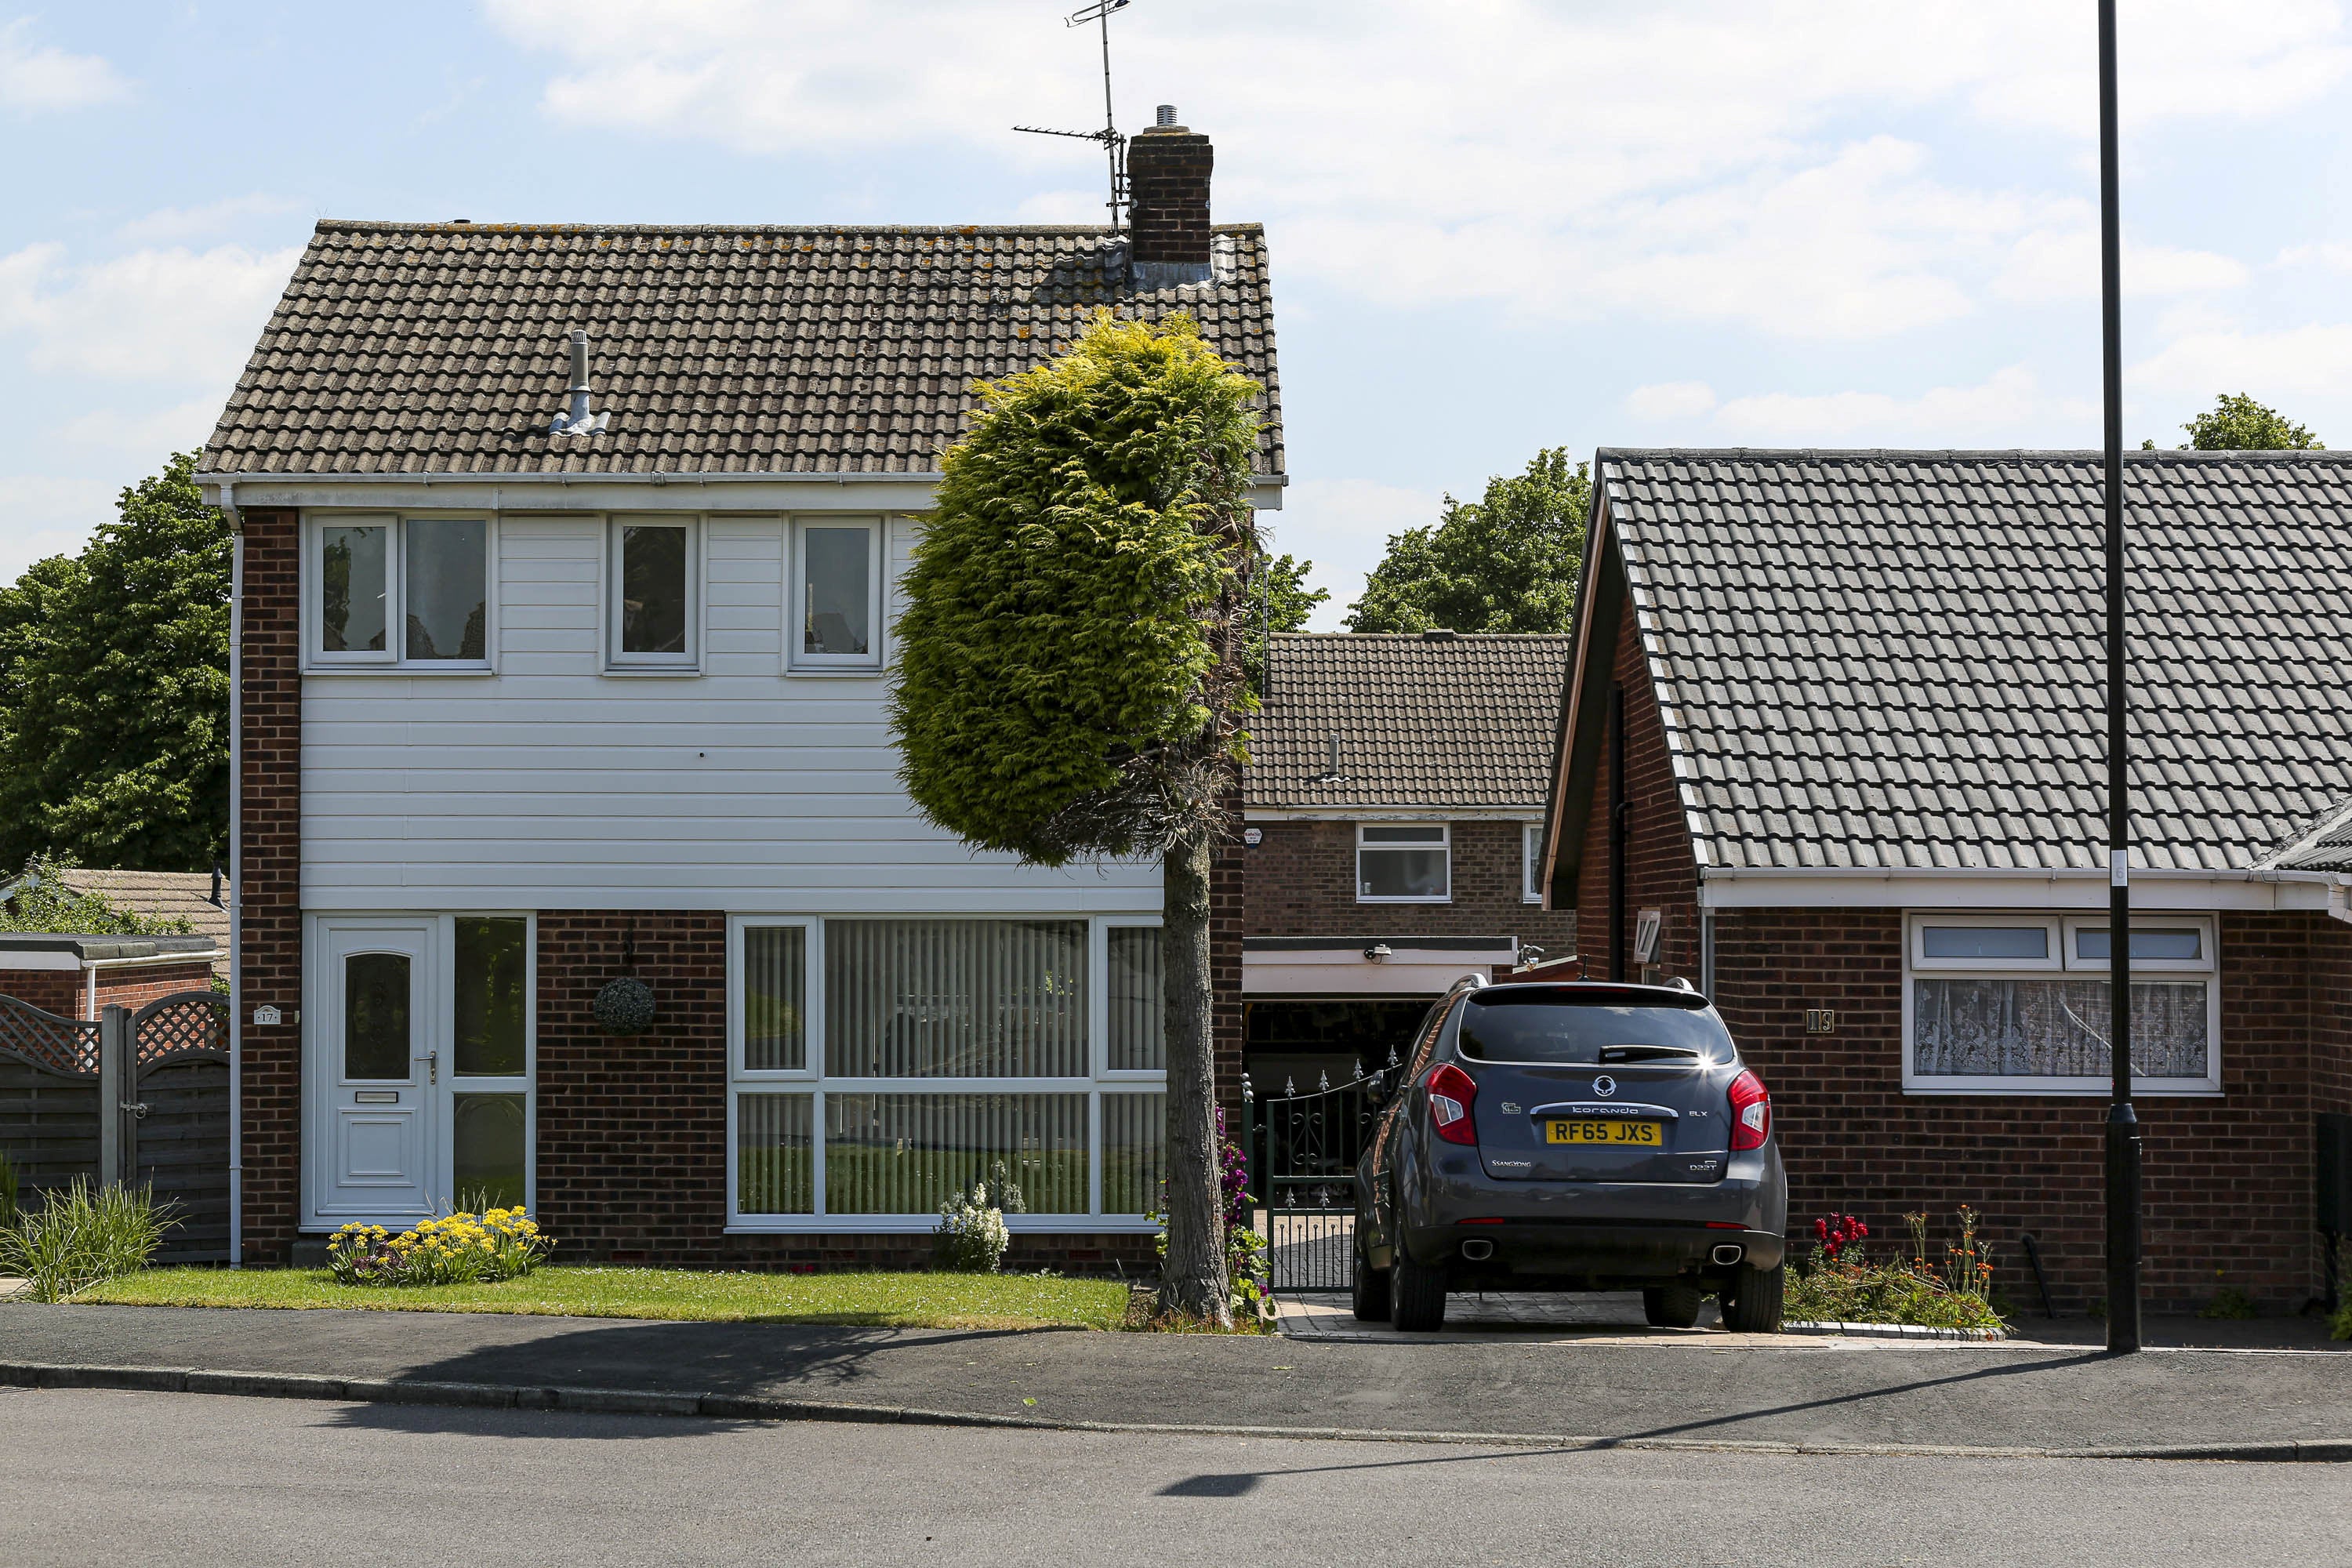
{"points": [[1403, 865], [837, 594], [656, 579], [401, 591], [1530, 862], [2020, 1003]]}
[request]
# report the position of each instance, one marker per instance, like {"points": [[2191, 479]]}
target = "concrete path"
{"points": [[1703, 1388], [165, 1480]]}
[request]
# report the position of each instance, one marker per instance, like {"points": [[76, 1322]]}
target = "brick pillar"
{"points": [[1168, 181], [268, 885]]}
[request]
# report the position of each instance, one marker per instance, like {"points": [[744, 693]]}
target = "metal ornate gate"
{"points": [[1306, 1146]]}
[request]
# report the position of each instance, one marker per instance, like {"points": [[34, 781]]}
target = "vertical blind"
{"points": [[1139, 1038], [1134, 1142], [775, 999], [955, 998], [905, 1153], [774, 1164]]}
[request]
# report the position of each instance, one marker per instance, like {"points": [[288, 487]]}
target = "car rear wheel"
{"points": [[1371, 1294], [1416, 1296], [1672, 1306], [1751, 1305]]}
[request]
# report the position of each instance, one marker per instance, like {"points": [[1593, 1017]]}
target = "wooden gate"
{"points": [[175, 1119], [48, 1099], [137, 1098]]}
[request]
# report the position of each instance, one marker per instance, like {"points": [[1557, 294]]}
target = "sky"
{"points": [[1496, 226]]}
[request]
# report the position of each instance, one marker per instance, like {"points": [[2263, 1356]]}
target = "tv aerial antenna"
{"points": [[1114, 146]]}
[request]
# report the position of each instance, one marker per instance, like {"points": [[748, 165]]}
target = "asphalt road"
{"points": [[109, 1477]]}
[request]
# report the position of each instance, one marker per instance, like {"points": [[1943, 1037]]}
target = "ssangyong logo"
{"points": [[1604, 1086]]}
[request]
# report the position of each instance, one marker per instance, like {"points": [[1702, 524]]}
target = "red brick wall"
{"points": [[1660, 870], [1302, 882], [1168, 174], [2228, 1180], [2331, 1014], [55, 991], [134, 988], [267, 881]]}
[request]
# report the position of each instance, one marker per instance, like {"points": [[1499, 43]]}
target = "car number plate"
{"points": [[1640, 1134]]}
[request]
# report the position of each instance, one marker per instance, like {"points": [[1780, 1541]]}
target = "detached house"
{"points": [[1393, 807], [1834, 750], [571, 865]]}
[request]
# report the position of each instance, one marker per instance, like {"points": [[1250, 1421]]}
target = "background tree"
{"points": [[1069, 681], [1289, 602], [114, 689], [1505, 563], [2236, 422]]}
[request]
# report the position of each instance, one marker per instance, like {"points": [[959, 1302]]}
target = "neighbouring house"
{"points": [[1393, 806], [198, 899], [79, 976], [573, 863], [1834, 751]]}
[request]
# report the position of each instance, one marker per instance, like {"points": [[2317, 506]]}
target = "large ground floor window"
{"points": [[880, 1064], [2010, 1004]]}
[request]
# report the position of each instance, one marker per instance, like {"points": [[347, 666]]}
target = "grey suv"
{"points": [[1573, 1136]]}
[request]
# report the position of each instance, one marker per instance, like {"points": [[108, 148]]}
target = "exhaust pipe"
{"points": [[1477, 1251], [1727, 1255]]}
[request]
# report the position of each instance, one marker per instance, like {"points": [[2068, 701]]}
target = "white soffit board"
{"points": [[2002, 889]]}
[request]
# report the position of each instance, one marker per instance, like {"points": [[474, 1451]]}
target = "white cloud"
{"points": [[50, 515], [38, 79], [1343, 526], [2063, 264], [182, 224], [2010, 407], [2335, 255], [170, 316], [146, 435], [1670, 400], [2314, 359], [1682, 159]]}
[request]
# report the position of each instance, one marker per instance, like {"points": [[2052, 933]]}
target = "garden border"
{"points": [[1897, 1331], [729, 1406]]}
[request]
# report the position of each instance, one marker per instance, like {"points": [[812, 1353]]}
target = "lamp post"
{"points": [[2123, 1124]]}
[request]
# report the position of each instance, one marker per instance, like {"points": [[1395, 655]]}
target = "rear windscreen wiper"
{"points": [[1647, 1053]]}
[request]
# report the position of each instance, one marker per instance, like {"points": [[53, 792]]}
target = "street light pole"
{"points": [[2123, 1124]]}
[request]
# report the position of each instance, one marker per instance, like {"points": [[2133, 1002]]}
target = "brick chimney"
{"points": [[1168, 216]]}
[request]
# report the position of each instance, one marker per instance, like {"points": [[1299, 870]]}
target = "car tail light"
{"points": [[1751, 1113], [1452, 1094]]}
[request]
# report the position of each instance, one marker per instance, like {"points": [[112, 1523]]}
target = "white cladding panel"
{"points": [[549, 785]]}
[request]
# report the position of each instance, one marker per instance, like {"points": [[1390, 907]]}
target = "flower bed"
{"points": [[456, 1250], [1840, 1283]]}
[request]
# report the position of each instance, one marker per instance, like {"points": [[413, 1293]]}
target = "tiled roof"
{"points": [[2325, 844], [1891, 658], [444, 348], [1459, 723]]}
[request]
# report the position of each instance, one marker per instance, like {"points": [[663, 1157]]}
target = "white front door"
{"points": [[375, 1071]]}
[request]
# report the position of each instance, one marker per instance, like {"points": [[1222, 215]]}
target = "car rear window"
{"points": [[1536, 1027]]}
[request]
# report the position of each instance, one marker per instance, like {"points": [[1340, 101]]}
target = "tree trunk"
{"points": [[1192, 1279]]}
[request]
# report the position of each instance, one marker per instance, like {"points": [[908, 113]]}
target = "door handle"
{"points": [[432, 1061], [136, 1108]]}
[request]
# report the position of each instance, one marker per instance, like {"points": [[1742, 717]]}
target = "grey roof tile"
{"points": [[442, 348], [1422, 724], [1895, 657]]}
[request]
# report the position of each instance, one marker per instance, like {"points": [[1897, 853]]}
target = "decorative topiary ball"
{"points": [[625, 1006]]}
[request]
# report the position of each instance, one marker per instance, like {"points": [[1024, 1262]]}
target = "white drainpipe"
{"points": [[236, 879]]}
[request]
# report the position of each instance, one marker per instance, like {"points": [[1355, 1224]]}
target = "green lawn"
{"points": [[886, 1300]]}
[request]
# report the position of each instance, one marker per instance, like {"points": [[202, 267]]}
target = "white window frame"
{"points": [[1444, 842], [1530, 849], [811, 1080], [2061, 961], [795, 628], [619, 662], [316, 658]]}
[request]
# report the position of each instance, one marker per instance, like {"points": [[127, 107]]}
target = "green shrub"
{"points": [[7, 1193], [972, 1237], [2228, 1303], [82, 1234]]}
